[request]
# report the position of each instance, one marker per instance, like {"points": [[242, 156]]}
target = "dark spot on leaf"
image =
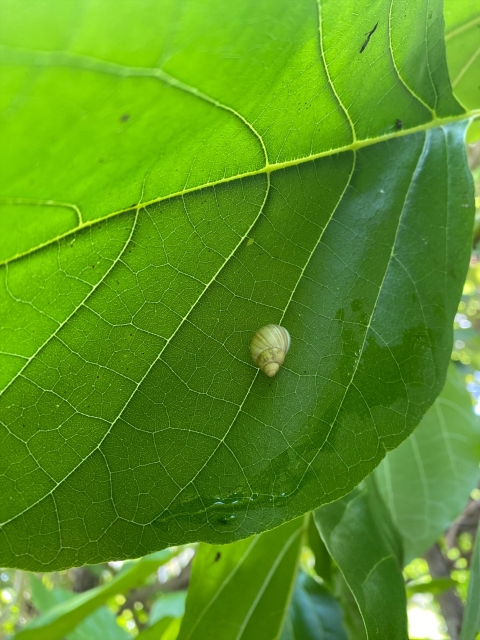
{"points": [[369, 35], [125, 117], [398, 124], [217, 556]]}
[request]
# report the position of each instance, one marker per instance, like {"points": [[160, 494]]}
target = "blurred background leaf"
{"points": [[314, 614], [462, 33], [471, 624], [58, 620]]}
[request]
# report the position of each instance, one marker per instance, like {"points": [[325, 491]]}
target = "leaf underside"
{"points": [[174, 177]]}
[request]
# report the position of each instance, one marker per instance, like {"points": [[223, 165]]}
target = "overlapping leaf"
{"points": [[360, 537], [427, 481], [242, 591], [314, 614], [174, 176], [99, 625]]}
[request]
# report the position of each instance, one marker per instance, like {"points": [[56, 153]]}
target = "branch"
{"points": [[450, 604]]}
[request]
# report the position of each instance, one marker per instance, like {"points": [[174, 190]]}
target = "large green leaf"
{"points": [[174, 176], [242, 591], [360, 537], [426, 482]]}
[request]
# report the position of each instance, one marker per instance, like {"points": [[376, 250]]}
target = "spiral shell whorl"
{"points": [[268, 348]]}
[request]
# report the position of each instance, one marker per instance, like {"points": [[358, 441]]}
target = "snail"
{"points": [[269, 347]]}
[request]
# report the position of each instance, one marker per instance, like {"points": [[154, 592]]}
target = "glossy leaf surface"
{"points": [[427, 481], [242, 591], [155, 213]]}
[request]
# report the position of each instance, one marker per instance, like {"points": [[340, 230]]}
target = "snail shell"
{"points": [[269, 347]]}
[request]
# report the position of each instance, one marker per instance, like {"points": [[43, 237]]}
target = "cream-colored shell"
{"points": [[269, 347]]}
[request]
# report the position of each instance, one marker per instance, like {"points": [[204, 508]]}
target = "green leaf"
{"points": [[165, 617], [426, 482], [314, 614], [59, 620], [462, 34], [169, 604], [242, 590], [172, 631], [98, 625], [353, 620], [158, 630], [323, 560], [434, 586], [368, 561], [175, 176], [471, 618]]}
